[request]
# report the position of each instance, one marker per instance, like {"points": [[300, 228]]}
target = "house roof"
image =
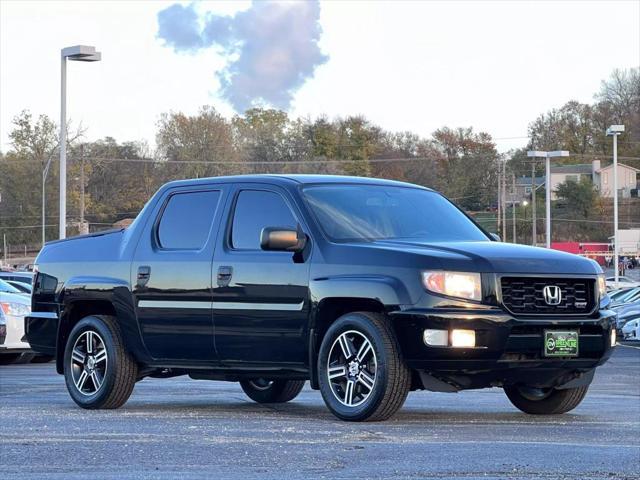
{"points": [[579, 168], [620, 165]]}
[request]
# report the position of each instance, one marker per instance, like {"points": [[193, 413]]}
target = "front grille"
{"points": [[524, 295]]}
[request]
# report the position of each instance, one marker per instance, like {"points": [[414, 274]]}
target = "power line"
{"points": [[270, 162]]}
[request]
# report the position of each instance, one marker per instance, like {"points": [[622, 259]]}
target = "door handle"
{"points": [[224, 275], [144, 272]]}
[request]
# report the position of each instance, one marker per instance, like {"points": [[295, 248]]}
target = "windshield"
{"points": [[376, 212], [6, 288]]}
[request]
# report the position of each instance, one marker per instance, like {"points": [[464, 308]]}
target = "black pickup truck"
{"points": [[367, 288]]}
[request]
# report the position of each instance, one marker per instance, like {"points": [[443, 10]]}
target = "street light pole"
{"points": [[547, 200], [79, 53], [62, 232], [548, 156], [614, 131]]}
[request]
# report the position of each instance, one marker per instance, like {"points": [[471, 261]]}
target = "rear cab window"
{"points": [[187, 219]]}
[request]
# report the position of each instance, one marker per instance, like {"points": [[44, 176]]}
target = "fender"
{"points": [[386, 290], [94, 289]]}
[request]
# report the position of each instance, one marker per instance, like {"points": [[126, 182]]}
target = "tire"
{"points": [[117, 370], [546, 402], [368, 383], [9, 358], [272, 391], [42, 359]]}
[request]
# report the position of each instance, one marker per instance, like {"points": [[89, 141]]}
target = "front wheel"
{"points": [[545, 401], [98, 371], [361, 373], [272, 391]]}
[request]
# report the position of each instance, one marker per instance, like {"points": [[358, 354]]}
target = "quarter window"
{"points": [[186, 220], [255, 210]]}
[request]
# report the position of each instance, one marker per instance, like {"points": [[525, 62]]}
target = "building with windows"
{"points": [[627, 179], [602, 178]]}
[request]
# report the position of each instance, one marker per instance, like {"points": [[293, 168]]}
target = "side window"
{"points": [[256, 209], [186, 220]]}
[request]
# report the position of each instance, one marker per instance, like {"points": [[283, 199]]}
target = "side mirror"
{"points": [[282, 239], [496, 237]]}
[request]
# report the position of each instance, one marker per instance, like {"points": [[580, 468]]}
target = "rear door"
{"points": [[171, 274], [261, 298]]}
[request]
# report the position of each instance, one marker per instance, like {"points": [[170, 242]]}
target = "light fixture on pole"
{"points": [[548, 156], [77, 53], [614, 131]]}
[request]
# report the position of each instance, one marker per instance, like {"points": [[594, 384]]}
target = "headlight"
{"points": [[15, 309], [453, 284], [602, 285]]}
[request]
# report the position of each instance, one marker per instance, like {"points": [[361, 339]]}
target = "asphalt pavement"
{"points": [[182, 428]]}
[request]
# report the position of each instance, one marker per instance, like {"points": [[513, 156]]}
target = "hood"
{"points": [[16, 298], [495, 257]]}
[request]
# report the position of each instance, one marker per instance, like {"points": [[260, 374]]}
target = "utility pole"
{"points": [[534, 225], [82, 186], [45, 172], [513, 204], [499, 222], [504, 198]]}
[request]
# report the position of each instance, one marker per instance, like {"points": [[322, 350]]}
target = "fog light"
{"points": [[614, 337], [436, 338], [463, 338]]}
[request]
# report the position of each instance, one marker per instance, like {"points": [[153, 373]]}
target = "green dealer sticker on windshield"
{"points": [[560, 343]]}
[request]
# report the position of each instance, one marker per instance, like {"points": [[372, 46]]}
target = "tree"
{"points": [[33, 142], [576, 205], [579, 197], [468, 171], [205, 137]]}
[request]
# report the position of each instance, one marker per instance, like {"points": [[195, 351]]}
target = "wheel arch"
{"points": [[327, 311], [85, 296]]}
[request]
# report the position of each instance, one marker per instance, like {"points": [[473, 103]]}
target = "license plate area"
{"points": [[561, 343]]}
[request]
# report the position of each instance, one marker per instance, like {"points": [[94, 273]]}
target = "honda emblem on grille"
{"points": [[552, 295]]}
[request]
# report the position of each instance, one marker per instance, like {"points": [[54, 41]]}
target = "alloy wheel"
{"points": [[89, 362], [352, 368]]}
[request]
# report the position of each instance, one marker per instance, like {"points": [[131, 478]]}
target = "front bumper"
{"points": [[508, 350], [14, 335]]}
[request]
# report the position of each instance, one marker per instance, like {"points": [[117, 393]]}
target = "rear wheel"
{"points": [[272, 391], [98, 371], [545, 401], [361, 373]]}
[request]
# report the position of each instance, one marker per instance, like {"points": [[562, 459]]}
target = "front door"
{"points": [[171, 275], [260, 298]]}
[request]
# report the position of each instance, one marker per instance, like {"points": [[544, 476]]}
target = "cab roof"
{"points": [[300, 179]]}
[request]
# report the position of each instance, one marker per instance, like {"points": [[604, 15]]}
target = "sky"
{"points": [[417, 66]]}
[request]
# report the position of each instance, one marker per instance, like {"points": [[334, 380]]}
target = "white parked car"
{"points": [[631, 330], [623, 282], [14, 305]]}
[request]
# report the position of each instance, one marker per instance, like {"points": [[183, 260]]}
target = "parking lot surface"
{"points": [[182, 428]]}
